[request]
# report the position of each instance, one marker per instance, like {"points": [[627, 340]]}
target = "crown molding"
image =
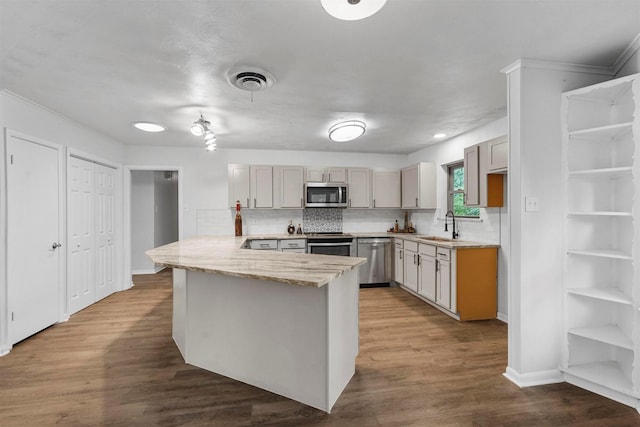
{"points": [[626, 55], [557, 66]]}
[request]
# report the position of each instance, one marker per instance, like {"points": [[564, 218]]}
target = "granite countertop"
{"points": [[223, 255]]}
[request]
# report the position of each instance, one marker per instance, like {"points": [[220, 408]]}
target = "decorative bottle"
{"points": [[238, 219], [291, 228]]}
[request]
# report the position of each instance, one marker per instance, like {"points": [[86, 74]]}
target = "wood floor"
{"points": [[115, 363]]}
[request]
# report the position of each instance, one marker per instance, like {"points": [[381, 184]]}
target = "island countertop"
{"points": [[223, 255]]}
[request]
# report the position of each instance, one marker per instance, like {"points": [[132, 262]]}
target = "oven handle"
{"points": [[330, 244]]}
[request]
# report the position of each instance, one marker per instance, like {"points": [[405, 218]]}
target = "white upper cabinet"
{"points": [[419, 186], [472, 176], [288, 187], [481, 187], [251, 185], [385, 189], [359, 187], [498, 155], [321, 174]]}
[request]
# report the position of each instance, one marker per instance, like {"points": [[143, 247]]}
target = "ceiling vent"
{"points": [[249, 78]]}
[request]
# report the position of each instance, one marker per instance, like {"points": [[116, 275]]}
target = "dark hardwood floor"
{"points": [[115, 363]]}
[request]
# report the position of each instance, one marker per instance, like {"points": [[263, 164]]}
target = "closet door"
{"points": [[80, 253], [104, 215]]}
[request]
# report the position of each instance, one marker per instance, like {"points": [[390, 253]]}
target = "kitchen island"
{"points": [[286, 323]]}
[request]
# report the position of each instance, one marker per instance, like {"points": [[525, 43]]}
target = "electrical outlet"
{"points": [[531, 204]]}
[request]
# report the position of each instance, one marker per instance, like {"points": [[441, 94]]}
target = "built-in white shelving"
{"points": [[601, 273]]}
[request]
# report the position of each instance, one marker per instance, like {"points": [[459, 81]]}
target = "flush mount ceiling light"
{"points": [[149, 127], [440, 135], [346, 131], [352, 10]]}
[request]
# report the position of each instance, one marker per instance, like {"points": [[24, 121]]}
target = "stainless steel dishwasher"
{"points": [[377, 251]]}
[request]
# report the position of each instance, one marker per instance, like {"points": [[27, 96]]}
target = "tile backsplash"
{"points": [[322, 220]]}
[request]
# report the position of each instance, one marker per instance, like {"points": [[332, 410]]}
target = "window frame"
{"points": [[451, 192]]}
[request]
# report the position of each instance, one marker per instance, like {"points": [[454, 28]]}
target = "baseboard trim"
{"points": [[619, 397], [5, 349], [503, 318], [148, 271], [530, 379]]}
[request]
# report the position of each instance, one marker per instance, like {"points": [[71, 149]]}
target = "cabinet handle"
{"points": [[254, 203], [418, 259], [349, 202], [248, 205], [437, 265], [374, 203], [301, 202], [416, 202], [400, 254], [414, 258]]}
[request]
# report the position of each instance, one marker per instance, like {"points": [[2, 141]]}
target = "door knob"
{"points": [[56, 245]]}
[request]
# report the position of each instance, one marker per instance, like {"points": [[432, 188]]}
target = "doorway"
{"points": [[154, 213]]}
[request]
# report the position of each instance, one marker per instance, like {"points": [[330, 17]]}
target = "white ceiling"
{"points": [[415, 68]]}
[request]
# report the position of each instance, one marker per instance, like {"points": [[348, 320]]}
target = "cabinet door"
{"points": [[410, 178], [398, 272], [443, 284], [386, 189], [498, 154], [427, 277], [291, 187], [471, 176], [315, 174], [359, 194], [239, 185], [336, 175], [411, 270], [262, 186]]}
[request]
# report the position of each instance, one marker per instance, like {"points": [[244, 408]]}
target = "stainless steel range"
{"points": [[331, 244]]}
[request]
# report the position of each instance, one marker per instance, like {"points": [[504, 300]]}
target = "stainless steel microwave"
{"points": [[326, 195]]}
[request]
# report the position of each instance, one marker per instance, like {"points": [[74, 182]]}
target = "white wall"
{"points": [[535, 312], [166, 208], [21, 115], [142, 221], [493, 225], [205, 188]]}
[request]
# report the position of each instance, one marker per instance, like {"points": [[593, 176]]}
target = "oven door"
{"points": [[330, 248]]}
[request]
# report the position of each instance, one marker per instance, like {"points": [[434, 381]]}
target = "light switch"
{"points": [[531, 204]]}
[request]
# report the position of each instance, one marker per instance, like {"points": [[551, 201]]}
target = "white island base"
{"points": [[300, 342]]}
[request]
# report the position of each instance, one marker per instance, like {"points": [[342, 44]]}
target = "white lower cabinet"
{"points": [[427, 272], [292, 245], [411, 265], [443, 278], [398, 256]]}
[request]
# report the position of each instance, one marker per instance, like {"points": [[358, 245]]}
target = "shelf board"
{"points": [[602, 253], [609, 334], [601, 132], [604, 294], [607, 374], [606, 172], [600, 213]]}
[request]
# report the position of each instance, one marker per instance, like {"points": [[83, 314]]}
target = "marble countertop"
{"points": [[223, 255]]}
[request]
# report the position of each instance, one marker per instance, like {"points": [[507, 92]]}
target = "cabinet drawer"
{"points": [[444, 254], [399, 243], [428, 250], [267, 244], [293, 244], [412, 246]]}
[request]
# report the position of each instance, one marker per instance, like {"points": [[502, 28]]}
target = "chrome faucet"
{"points": [[454, 235]]}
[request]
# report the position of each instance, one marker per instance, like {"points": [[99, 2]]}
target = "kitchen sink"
{"points": [[438, 239]]}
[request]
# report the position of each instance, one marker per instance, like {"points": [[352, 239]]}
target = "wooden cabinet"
{"points": [[498, 155], [321, 174], [411, 265], [385, 188], [398, 257], [251, 185], [461, 282], [482, 189], [359, 188], [601, 280], [419, 186], [288, 187]]}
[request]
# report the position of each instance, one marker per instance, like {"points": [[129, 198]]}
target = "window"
{"points": [[455, 191]]}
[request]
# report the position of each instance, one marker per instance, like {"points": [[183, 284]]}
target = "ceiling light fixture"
{"points": [[440, 135], [149, 127], [346, 131], [352, 10], [202, 127]]}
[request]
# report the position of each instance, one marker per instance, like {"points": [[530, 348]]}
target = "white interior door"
{"points": [[80, 226], [33, 233], [105, 230]]}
